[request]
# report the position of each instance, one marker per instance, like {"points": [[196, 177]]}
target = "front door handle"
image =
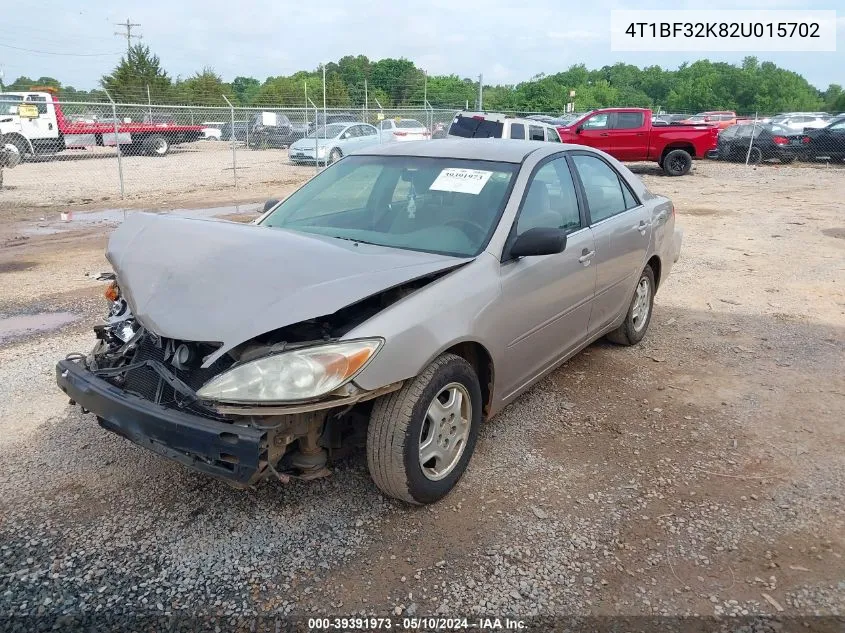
{"points": [[604, 134], [586, 256]]}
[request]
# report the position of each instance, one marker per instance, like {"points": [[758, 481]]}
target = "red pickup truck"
{"points": [[628, 135]]}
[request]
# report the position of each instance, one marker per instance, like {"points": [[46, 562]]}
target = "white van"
{"points": [[489, 125]]}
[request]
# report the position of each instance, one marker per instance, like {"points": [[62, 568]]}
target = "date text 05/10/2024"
{"points": [[416, 624]]}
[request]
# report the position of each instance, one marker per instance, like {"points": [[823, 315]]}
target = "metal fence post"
{"points": [[751, 140], [234, 150], [316, 142], [117, 146]]}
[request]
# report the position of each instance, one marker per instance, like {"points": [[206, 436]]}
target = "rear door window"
{"points": [[629, 120], [602, 186], [471, 127], [517, 130]]}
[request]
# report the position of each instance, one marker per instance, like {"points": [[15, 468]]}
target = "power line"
{"points": [[128, 35], [30, 50]]}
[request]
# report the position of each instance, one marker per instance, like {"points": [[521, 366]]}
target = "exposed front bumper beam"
{"points": [[235, 453]]}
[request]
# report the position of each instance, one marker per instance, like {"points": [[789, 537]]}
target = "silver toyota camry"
{"points": [[395, 302]]}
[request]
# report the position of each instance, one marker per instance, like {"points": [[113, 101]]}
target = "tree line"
{"points": [[354, 81]]}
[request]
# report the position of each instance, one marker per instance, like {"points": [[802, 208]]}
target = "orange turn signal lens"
{"points": [[112, 292]]}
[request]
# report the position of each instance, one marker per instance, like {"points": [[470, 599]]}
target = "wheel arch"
{"points": [[656, 267], [688, 147], [482, 362], [17, 136]]}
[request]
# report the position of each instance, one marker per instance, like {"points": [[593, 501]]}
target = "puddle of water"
{"points": [[113, 217], [15, 266], [21, 325]]}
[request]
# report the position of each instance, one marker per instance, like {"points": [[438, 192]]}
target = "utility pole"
{"points": [[480, 91], [128, 25]]}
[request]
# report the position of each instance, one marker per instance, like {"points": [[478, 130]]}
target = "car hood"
{"points": [[226, 282], [308, 143]]}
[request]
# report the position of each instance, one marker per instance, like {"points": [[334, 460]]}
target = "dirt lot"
{"points": [[188, 175], [701, 472]]}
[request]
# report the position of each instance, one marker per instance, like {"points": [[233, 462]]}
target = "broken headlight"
{"points": [[300, 374]]}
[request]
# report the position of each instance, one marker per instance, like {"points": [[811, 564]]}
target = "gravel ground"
{"points": [[199, 171], [699, 473]]}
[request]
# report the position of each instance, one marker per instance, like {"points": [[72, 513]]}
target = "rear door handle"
{"points": [[586, 256], [642, 226]]}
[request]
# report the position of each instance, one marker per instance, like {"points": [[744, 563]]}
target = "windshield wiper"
{"points": [[357, 241]]}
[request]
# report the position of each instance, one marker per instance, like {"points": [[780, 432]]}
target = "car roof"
{"points": [[497, 149], [500, 117]]}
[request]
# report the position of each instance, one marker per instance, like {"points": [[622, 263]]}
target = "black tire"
{"points": [[678, 162], [755, 156], [1, 177], [335, 155], [633, 330], [157, 145], [397, 424]]}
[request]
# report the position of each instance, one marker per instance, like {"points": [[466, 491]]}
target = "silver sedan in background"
{"points": [[395, 301], [329, 143]]}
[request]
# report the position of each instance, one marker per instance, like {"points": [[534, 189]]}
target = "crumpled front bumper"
{"points": [[234, 453]]}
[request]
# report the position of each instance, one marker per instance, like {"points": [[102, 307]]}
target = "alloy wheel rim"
{"points": [[642, 303], [445, 431]]}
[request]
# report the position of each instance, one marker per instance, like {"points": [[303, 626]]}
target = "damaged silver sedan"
{"points": [[393, 302]]}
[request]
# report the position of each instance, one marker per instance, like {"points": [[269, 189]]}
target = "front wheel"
{"points": [[335, 155], [422, 436], [678, 162], [638, 317]]}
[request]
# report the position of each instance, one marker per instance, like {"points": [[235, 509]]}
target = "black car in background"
{"points": [[281, 134], [240, 131], [827, 142], [769, 141]]}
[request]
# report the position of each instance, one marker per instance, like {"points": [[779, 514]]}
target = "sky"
{"points": [[507, 42]]}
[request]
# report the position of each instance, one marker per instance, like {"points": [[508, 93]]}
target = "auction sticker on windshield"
{"points": [[461, 180]]}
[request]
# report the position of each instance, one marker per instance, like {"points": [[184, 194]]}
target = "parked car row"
{"points": [[756, 142]]}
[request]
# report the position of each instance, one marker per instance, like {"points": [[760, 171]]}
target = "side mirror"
{"points": [[272, 202], [539, 241], [579, 129]]}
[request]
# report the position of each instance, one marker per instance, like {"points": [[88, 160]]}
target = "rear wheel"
{"points": [[157, 145], [421, 437], [638, 317], [755, 156], [678, 162]]}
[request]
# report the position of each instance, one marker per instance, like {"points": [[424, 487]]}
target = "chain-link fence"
{"points": [[81, 152]]}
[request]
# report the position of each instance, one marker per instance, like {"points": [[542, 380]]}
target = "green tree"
{"points": [[399, 78], [138, 70], [204, 88], [245, 89]]}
